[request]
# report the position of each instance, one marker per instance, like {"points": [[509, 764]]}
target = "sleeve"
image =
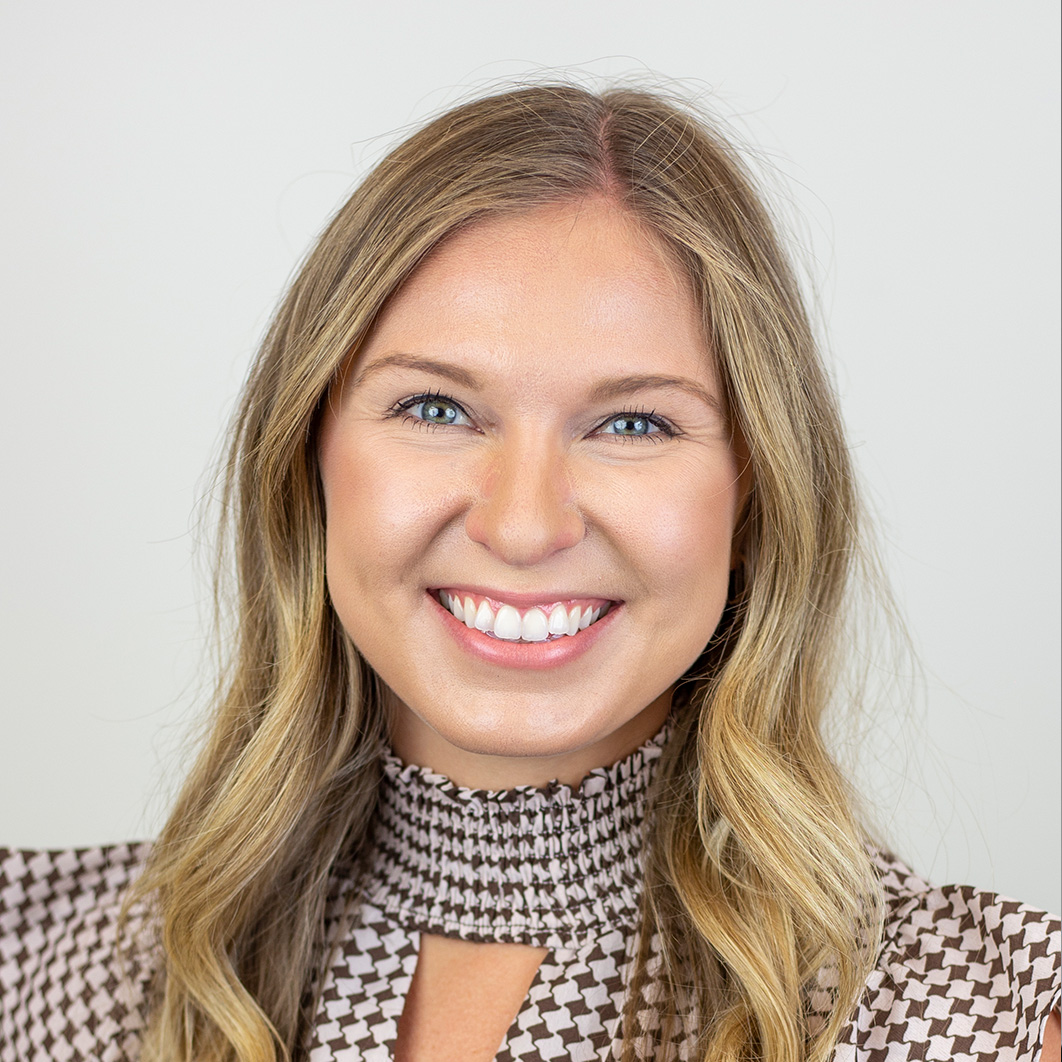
{"points": [[962, 974], [67, 990]]}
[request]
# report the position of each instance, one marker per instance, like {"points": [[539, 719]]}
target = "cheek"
{"points": [[693, 575], [683, 546], [679, 529], [381, 514], [359, 516]]}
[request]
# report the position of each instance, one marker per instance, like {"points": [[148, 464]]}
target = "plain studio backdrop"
{"points": [[167, 164]]}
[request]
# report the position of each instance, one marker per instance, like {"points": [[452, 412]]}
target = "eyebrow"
{"points": [[402, 360], [615, 387], [621, 386]]}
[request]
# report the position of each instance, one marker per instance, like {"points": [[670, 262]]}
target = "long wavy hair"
{"points": [[757, 873]]}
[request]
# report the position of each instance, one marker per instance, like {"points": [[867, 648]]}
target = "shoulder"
{"points": [[962, 973], [66, 988]]}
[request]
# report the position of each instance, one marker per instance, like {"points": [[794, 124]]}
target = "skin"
{"points": [[535, 334], [518, 326], [528, 493], [1052, 1049]]}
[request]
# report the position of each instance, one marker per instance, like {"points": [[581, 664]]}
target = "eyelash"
{"points": [[400, 409], [665, 428]]}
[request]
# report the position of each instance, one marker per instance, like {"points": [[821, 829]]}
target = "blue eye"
{"points": [[631, 426], [436, 410], [635, 425]]}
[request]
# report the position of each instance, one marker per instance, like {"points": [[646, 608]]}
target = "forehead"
{"points": [[596, 233], [582, 282]]}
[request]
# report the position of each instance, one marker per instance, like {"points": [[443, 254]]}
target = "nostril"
{"points": [[525, 509], [524, 533]]}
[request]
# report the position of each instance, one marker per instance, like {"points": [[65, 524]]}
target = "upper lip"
{"points": [[518, 599]]}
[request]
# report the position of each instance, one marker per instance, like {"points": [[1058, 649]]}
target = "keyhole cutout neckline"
{"points": [[464, 999]]}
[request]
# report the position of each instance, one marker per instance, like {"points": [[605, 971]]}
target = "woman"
{"points": [[544, 526]]}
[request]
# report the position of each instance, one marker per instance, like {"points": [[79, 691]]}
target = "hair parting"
{"points": [[758, 885]]}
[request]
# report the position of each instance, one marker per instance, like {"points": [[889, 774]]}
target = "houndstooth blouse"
{"points": [[963, 974]]}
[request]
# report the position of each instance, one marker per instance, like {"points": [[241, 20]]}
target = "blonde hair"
{"points": [[757, 874]]}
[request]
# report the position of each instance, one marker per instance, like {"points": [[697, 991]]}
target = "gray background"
{"points": [[166, 165]]}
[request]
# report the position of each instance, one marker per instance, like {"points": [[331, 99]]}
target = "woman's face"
{"points": [[531, 491]]}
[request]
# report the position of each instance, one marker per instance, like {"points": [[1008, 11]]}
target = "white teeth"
{"points": [[484, 620], [534, 628], [507, 626]]}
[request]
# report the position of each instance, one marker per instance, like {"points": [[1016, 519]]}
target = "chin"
{"points": [[522, 731], [487, 747], [513, 742]]}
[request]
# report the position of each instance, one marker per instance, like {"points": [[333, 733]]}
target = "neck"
{"points": [[416, 743]]}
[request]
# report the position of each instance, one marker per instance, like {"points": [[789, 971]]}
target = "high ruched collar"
{"points": [[551, 867]]}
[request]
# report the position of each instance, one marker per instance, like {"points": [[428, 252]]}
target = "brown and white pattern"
{"points": [[65, 994], [963, 975], [556, 868], [553, 867]]}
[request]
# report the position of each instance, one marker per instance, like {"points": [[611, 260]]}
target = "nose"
{"points": [[525, 510]]}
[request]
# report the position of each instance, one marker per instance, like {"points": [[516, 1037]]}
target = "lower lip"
{"points": [[532, 656]]}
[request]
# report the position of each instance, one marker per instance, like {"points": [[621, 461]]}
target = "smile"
{"points": [[541, 623]]}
